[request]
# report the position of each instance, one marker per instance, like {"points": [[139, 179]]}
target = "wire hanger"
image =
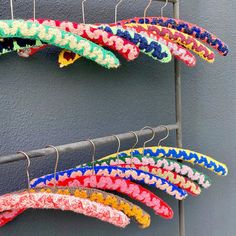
{"points": [[83, 11], [149, 140], [27, 168], [156, 152], [145, 10], [162, 8], [64, 198], [12, 9], [116, 9], [93, 155], [132, 148], [34, 9]]}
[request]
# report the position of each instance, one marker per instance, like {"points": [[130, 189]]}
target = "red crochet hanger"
{"points": [[61, 198]]}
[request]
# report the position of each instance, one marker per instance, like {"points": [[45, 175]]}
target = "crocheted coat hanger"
{"points": [[170, 176], [131, 210], [126, 49], [185, 27], [115, 171], [63, 198], [183, 39], [123, 186], [162, 167], [60, 38], [107, 183], [176, 50], [177, 37], [147, 45], [164, 163], [178, 154]]}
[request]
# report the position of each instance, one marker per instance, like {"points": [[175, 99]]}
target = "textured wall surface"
{"points": [[41, 104]]}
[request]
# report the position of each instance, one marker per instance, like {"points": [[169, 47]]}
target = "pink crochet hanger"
{"points": [[112, 183], [125, 48], [62, 198]]}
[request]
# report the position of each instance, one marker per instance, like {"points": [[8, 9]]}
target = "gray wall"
{"points": [[41, 104]]}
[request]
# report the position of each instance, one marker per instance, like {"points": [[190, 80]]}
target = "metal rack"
{"points": [[125, 136]]}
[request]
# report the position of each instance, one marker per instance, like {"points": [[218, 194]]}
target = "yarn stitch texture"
{"points": [[185, 27], [164, 163], [172, 177], [148, 46], [125, 173], [179, 154], [125, 48], [126, 187], [176, 50], [108, 199], [63, 201], [60, 38], [183, 39]]}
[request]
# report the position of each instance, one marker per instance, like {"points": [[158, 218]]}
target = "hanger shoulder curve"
{"points": [[63, 199], [167, 164], [148, 46], [174, 178], [126, 173], [176, 50], [185, 27], [60, 38], [181, 38], [123, 186]]}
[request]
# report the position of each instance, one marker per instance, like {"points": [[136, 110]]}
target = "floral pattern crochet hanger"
{"points": [[79, 200], [106, 181]]}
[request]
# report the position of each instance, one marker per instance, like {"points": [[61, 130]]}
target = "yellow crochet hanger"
{"points": [[80, 200]]}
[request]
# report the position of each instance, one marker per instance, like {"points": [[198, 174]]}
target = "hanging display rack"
{"points": [[125, 136]]}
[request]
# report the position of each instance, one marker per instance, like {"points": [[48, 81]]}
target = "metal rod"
{"points": [[170, 1], [82, 144], [178, 114]]}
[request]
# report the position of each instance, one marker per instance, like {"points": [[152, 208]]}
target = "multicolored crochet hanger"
{"points": [[176, 50], [60, 38], [146, 45], [178, 154], [112, 183], [170, 176], [182, 26], [161, 165], [124, 47], [185, 27], [183, 39], [61, 198], [115, 171]]}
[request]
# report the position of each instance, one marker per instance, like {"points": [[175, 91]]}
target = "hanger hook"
{"points": [[145, 10], [132, 148], [167, 134], [94, 151], [56, 164], [12, 9], [27, 168], [118, 148], [34, 9], [116, 9], [83, 14], [163, 8], [136, 142], [149, 140]]}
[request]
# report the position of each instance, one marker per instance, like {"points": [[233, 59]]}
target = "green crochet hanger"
{"points": [[59, 38]]}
